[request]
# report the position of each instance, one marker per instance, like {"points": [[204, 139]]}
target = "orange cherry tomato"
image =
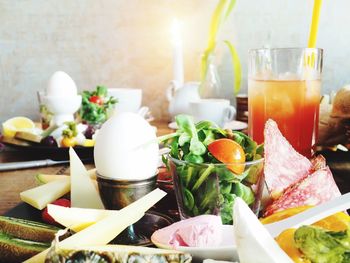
{"points": [[230, 152]]}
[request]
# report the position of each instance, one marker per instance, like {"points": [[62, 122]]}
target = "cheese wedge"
{"points": [[83, 192], [80, 218], [254, 242], [44, 194], [108, 228], [77, 218]]}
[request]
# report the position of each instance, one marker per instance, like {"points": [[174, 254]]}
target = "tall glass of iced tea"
{"points": [[284, 85]]}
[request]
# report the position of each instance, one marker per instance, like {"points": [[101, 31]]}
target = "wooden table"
{"points": [[14, 182]]}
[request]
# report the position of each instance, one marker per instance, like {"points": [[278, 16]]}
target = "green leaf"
{"points": [[244, 192], [205, 125], [216, 21], [101, 91], [197, 147], [192, 158], [230, 8], [254, 173], [184, 137], [203, 176], [188, 199], [237, 69], [185, 124]]}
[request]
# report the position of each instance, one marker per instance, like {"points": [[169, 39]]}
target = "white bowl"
{"points": [[226, 251], [128, 99]]}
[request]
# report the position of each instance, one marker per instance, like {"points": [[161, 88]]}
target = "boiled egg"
{"points": [[126, 148], [61, 85]]}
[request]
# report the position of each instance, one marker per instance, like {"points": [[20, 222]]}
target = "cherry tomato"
{"points": [[230, 152], [96, 99], [68, 142]]}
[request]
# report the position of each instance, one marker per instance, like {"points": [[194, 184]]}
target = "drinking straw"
{"points": [[314, 23]]}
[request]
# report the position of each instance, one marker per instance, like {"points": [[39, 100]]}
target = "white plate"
{"points": [[226, 251], [236, 125], [233, 125]]}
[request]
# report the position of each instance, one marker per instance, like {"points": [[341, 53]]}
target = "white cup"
{"points": [[216, 110], [128, 99]]}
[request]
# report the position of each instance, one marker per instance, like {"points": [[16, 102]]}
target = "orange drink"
{"points": [[290, 96]]}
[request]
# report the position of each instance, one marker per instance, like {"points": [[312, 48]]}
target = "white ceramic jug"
{"points": [[179, 97]]}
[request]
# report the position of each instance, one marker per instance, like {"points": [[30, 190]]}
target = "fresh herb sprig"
{"points": [[71, 130], [96, 105], [206, 186]]}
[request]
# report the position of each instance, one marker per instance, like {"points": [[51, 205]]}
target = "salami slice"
{"points": [[315, 189], [318, 163], [283, 165]]}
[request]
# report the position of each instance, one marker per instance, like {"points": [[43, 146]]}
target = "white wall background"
{"points": [[127, 43]]}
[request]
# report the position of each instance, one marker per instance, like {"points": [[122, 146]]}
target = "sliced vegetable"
{"points": [[228, 151], [27, 229], [320, 245], [14, 249], [68, 142]]}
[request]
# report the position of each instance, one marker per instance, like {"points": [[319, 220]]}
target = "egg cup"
{"points": [[117, 194], [62, 108]]}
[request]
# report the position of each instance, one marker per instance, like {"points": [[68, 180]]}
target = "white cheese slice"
{"points": [[108, 228], [254, 243], [80, 218], [77, 218], [83, 192], [44, 194]]}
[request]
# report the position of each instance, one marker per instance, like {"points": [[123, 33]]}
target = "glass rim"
{"points": [[284, 48], [183, 162]]}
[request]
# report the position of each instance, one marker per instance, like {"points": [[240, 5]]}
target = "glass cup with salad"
{"points": [[96, 106], [211, 167]]}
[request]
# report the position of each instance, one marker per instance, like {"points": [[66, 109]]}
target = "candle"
{"points": [[178, 69]]}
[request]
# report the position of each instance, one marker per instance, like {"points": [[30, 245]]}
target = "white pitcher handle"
{"points": [[173, 86], [230, 114]]}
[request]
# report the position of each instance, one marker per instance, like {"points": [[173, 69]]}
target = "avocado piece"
{"points": [[26, 229], [320, 245], [13, 249]]}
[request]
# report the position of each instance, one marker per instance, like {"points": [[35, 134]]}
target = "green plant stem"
{"points": [[203, 176]]}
